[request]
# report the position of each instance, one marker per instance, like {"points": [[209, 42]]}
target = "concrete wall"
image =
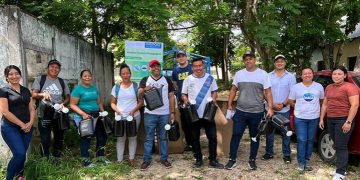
{"points": [[30, 44]]}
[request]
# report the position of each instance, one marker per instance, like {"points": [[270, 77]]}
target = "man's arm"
{"points": [[231, 96], [269, 100]]}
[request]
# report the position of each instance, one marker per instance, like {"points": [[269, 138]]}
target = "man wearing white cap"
{"points": [[281, 83]]}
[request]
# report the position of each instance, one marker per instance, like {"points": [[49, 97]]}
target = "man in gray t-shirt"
{"points": [[56, 90], [254, 86]]}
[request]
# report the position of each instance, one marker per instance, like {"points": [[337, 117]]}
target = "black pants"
{"points": [[186, 127], [340, 141], [45, 128], [210, 130]]}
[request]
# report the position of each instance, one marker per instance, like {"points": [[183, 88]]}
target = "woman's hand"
{"points": [[346, 127], [28, 127], [85, 116], [321, 124]]}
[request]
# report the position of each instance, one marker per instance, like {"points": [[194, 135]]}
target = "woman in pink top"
{"points": [[340, 105]]}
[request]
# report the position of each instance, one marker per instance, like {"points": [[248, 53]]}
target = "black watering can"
{"points": [[173, 130], [119, 126], [210, 110], [153, 98], [131, 130], [106, 121]]}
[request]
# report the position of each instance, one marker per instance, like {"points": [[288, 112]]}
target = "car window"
{"points": [[323, 80], [357, 80]]}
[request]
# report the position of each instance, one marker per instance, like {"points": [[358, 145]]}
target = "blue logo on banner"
{"points": [[153, 45], [308, 97]]}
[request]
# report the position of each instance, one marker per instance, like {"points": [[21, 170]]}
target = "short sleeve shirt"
{"points": [[337, 96], [251, 87], [53, 87], [179, 75], [166, 89], [87, 97], [192, 86], [280, 88], [307, 105], [126, 99], [18, 103]]}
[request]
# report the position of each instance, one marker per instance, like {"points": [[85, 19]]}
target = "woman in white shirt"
{"points": [[306, 98], [125, 103]]}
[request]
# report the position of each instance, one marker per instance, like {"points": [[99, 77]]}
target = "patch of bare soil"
{"points": [[272, 169]]}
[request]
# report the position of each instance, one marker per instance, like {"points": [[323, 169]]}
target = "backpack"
{"points": [[117, 89], [42, 82]]}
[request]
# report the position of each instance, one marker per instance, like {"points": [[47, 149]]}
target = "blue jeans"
{"points": [[241, 120], [85, 143], [18, 142], [285, 140], [154, 122], [305, 134]]}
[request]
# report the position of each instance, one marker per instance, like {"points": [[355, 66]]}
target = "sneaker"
{"points": [[90, 165], [231, 164], [308, 168], [252, 164], [166, 163], [198, 164], [267, 156], [188, 148], [334, 172], [145, 165], [338, 177], [287, 159], [301, 169], [216, 164]]}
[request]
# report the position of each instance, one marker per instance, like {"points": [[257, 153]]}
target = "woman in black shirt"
{"points": [[18, 114]]}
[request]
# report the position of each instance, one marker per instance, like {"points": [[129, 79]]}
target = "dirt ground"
{"points": [[272, 169]]}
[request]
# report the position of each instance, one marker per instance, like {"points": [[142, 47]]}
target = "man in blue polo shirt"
{"points": [[179, 74], [281, 83]]}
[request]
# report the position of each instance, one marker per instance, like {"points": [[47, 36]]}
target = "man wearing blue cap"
{"points": [[254, 86], [179, 74]]}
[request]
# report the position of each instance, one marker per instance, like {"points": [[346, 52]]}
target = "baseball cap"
{"points": [[181, 52], [249, 53], [154, 61], [279, 56], [54, 61]]}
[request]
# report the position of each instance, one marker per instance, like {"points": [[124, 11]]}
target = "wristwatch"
{"points": [[348, 122]]}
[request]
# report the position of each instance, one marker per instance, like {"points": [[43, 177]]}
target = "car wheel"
{"points": [[326, 147]]}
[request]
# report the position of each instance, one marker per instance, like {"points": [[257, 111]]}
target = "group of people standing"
{"points": [[189, 82]]}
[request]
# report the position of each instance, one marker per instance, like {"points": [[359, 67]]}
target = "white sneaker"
{"points": [[334, 172], [90, 165], [338, 177]]}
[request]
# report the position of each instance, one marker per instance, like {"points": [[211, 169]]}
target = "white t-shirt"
{"points": [[192, 86], [126, 100], [251, 87], [167, 87], [307, 99]]}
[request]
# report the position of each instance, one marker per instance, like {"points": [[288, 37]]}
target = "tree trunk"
{"points": [[339, 53], [226, 58], [357, 64], [217, 71], [325, 55]]}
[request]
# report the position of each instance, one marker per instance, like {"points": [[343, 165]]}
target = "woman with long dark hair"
{"points": [[18, 115], [340, 106]]}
